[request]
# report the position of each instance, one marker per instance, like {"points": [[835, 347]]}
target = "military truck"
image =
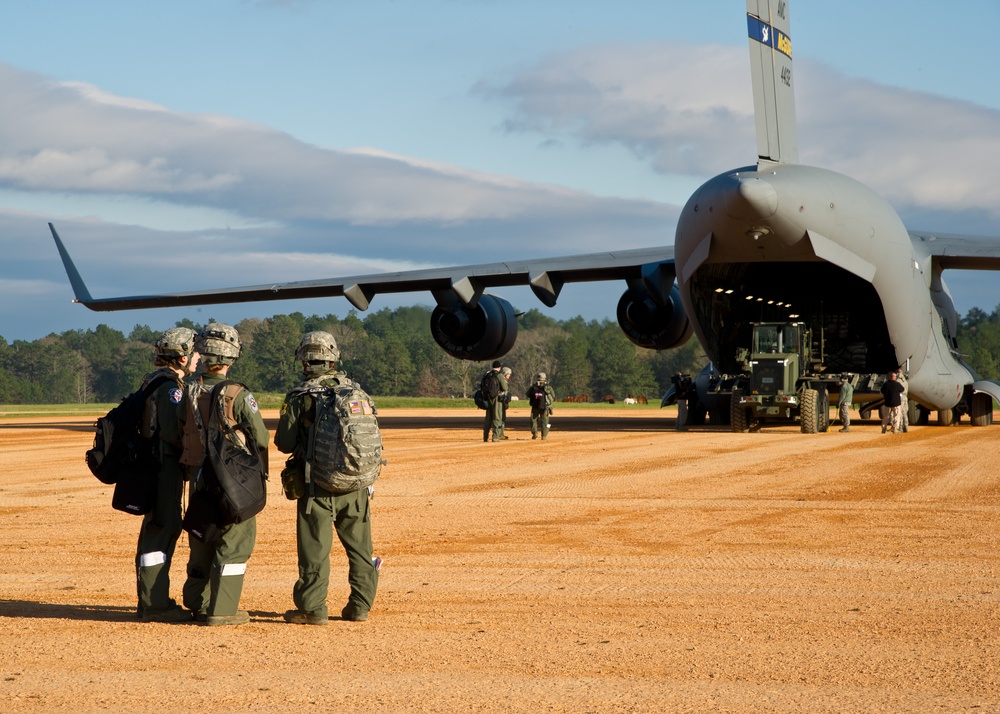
{"points": [[783, 380]]}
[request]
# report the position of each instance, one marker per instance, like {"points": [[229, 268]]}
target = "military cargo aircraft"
{"points": [[770, 242]]}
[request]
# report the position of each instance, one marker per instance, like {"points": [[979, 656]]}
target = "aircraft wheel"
{"points": [[809, 421], [946, 417], [981, 410], [738, 413]]}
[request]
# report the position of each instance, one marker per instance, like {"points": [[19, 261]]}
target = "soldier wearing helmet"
{"points": [[216, 566], [540, 397], [175, 358], [319, 512]]}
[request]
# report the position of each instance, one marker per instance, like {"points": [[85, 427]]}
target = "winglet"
{"points": [[771, 72], [79, 288]]}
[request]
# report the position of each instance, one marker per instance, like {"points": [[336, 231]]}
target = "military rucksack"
{"points": [[344, 453], [490, 386], [124, 447]]}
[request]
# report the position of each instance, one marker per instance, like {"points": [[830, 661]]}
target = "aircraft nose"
{"points": [[754, 199]]}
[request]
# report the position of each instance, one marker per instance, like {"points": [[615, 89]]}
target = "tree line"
{"points": [[390, 352]]}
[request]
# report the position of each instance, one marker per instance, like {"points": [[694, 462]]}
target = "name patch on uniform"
{"points": [[252, 402], [176, 394]]}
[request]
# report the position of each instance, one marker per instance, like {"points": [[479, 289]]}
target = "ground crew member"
{"points": [[844, 403], [216, 568], [540, 397], [320, 512], [161, 527]]}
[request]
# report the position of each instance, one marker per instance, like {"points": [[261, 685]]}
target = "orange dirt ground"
{"points": [[619, 566]]}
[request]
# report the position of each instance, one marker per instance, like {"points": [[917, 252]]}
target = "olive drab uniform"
{"points": [[493, 421], [216, 569], [321, 513], [161, 527], [540, 414]]}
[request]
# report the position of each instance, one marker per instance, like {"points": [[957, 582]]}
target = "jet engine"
{"points": [[652, 324], [484, 332]]}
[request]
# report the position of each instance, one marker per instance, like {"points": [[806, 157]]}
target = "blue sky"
{"points": [[190, 145]]}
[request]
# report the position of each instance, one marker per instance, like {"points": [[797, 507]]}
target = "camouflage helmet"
{"points": [[317, 346], [175, 342], [218, 344], [540, 377]]}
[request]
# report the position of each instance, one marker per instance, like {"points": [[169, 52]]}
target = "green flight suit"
{"points": [[493, 421], [161, 527], [216, 569], [318, 517], [540, 417]]}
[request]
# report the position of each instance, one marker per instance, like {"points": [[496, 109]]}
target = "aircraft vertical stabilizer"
{"points": [[771, 72]]}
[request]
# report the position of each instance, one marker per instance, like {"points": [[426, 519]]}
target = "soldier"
{"points": [[904, 403], [319, 512], [844, 403], [540, 397], [505, 397], [892, 391], [216, 567], [161, 527], [493, 421]]}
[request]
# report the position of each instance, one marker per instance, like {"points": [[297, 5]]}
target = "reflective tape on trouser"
{"points": [[233, 569], [148, 560]]}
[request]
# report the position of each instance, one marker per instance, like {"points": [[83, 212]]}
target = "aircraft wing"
{"points": [[958, 252], [545, 276]]}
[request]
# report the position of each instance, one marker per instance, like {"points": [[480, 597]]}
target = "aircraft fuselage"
{"points": [[786, 241]]}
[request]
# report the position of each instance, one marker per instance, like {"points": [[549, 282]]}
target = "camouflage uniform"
{"points": [[844, 404]]}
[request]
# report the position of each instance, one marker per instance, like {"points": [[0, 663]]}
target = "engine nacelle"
{"points": [[653, 325], [485, 332]]}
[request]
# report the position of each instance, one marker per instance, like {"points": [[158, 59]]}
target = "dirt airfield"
{"points": [[619, 566]]}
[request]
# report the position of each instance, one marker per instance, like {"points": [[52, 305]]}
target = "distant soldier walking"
{"points": [[540, 397], [844, 403], [492, 386]]}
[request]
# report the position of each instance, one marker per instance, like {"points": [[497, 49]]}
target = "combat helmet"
{"points": [[540, 377], [218, 344], [317, 346], [175, 342]]}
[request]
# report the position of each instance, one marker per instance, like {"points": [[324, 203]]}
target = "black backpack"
{"points": [[490, 386], [119, 449], [232, 481], [537, 398], [234, 469]]}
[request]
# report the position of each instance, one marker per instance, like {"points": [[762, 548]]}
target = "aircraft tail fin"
{"points": [[79, 288], [771, 72]]}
